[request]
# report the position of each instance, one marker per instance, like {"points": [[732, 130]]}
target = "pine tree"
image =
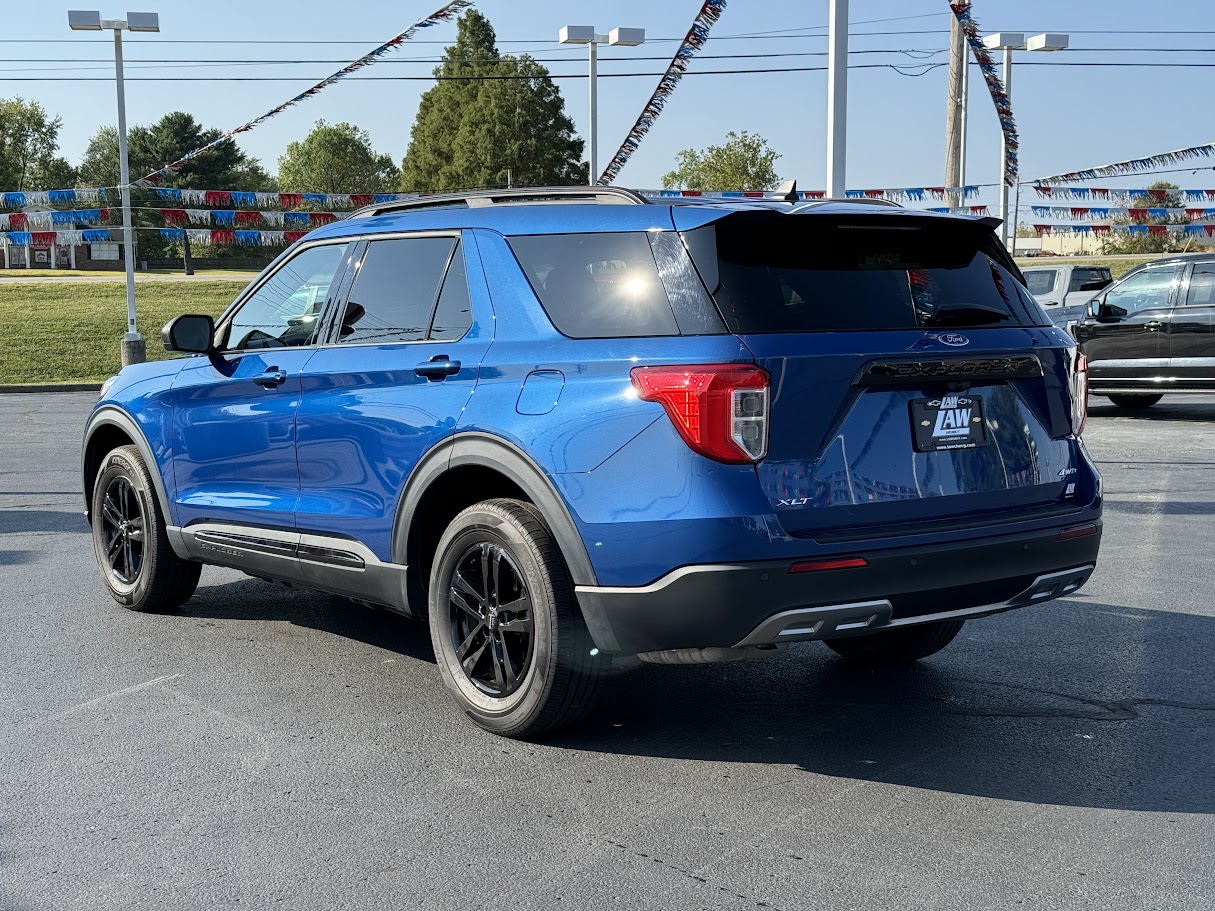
{"points": [[485, 133]]}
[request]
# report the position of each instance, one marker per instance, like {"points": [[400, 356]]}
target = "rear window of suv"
{"points": [[811, 274]]}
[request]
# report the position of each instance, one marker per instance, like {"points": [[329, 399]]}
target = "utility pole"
{"points": [[954, 115]]}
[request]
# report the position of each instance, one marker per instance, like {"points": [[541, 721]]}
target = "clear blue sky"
{"points": [[1069, 117]]}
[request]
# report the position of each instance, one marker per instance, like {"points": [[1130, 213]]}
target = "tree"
{"points": [[28, 142], [743, 162], [225, 167], [473, 132], [1168, 243], [149, 148], [336, 158]]}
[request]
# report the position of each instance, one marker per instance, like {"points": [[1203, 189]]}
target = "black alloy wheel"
{"points": [[122, 530], [130, 538], [490, 613]]}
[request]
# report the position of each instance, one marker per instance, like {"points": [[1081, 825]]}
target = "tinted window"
{"points": [[454, 314], [1085, 276], [1202, 285], [1041, 282], [597, 285], [393, 295], [1145, 290], [807, 274], [286, 309]]}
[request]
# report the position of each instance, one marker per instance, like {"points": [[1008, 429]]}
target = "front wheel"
{"points": [[509, 639], [897, 646], [1135, 401], [137, 563]]}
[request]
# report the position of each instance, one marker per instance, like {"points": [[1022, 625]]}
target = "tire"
{"points": [[521, 672], [894, 647], [137, 563], [1135, 401]]}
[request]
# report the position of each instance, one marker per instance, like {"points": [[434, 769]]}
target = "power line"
{"points": [[776, 33], [899, 68]]}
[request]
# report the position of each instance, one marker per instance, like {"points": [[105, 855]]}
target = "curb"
{"points": [[51, 387]]}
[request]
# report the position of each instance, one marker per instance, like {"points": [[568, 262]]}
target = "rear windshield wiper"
{"points": [[963, 315]]}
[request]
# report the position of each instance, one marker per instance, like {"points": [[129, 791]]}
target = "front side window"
{"points": [[394, 293], [597, 285], [1040, 282], [286, 310], [1147, 290]]}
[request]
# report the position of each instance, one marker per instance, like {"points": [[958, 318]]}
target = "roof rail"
{"points": [[522, 195]]}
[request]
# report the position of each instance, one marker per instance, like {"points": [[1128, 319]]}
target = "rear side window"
{"points": [[597, 285], [805, 274], [394, 294], [1041, 282], [1202, 286], [1087, 276]]}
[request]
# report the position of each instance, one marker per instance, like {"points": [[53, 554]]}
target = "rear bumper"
{"points": [[727, 605]]}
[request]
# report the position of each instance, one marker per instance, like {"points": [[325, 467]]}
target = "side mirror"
{"points": [[190, 334], [1094, 307]]}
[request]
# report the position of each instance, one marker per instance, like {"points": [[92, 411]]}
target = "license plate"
{"points": [[948, 422]]}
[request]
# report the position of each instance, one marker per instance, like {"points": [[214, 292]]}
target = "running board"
{"points": [[337, 565], [835, 621]]}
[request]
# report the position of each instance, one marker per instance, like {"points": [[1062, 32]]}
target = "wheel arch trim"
{"points": [[487, 451], [113, 416]]}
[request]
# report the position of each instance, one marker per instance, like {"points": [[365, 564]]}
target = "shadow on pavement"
{"points": [[17, 520], [1169, 409], [1124, 719], [1158, 507], [253, 599]]}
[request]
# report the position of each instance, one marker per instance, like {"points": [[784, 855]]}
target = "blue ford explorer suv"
{"points": [[571, 428]]}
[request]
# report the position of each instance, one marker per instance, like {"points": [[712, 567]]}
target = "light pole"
{"points": [[837, 97], [133, 349], [1009, 42], [586, 34]]}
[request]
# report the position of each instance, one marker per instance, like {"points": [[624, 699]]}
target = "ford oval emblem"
{"points": [[953, 339]]}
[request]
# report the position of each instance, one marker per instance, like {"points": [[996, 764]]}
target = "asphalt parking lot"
{"points": [[274, 748]]}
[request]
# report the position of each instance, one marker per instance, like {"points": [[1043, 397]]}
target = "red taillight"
{"points": [[1078, 531], [815, 566], [720, 410], [1080, 394]]}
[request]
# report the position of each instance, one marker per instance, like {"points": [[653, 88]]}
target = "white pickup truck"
{"points": [[1064, 290]]}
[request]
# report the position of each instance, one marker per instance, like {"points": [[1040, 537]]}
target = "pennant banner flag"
{"points": [[1119, 194], [1131, 165], [1093, 212], [999, 96], [446, 12], [697, 35], [1133, 230]]}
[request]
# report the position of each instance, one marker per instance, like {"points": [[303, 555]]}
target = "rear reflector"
{"points": [[814, 566], [1078, 531]]}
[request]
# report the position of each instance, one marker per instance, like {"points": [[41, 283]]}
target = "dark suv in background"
{"points": [[1153, 332]]}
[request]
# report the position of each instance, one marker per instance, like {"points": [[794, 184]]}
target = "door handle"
{"points": [[439, 367], [1151, 325], [271, 378]]}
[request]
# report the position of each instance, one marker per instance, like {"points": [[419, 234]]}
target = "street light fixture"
{"points": [[1009, 42], [586, 34], [133, 348]]}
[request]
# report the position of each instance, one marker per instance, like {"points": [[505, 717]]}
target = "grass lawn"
{"points": [[71, 332]]}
